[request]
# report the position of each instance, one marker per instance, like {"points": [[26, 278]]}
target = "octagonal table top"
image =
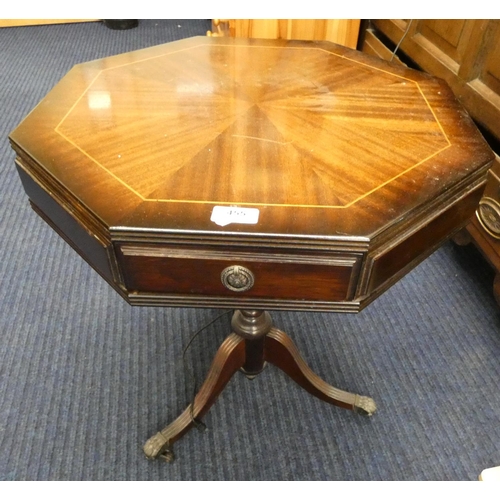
{"points": [[321, 140]]}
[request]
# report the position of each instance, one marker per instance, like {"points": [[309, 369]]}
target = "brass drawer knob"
{"points": [[237, 278], [488, 214]]}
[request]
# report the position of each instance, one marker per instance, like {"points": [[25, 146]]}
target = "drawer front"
{"points": [[217, 273], [81, 238], [390, 264]]}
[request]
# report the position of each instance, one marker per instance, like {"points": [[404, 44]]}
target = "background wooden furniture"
{"points": [[465, 53], [342, 31]]}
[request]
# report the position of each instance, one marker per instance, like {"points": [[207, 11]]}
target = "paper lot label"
{"points": [[229, 215]]}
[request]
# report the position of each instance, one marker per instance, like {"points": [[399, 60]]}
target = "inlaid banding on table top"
{"points": [[235, 118]]}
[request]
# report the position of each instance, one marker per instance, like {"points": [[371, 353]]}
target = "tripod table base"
{"points": [[256, 343]]}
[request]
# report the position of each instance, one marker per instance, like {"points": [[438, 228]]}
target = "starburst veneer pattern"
{"points": [[241, 100]]}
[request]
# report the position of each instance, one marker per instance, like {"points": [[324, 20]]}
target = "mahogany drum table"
{"points": [[251, 175]]}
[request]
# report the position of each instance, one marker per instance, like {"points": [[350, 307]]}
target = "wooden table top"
{"points": [[327, 174], [321, 139]]}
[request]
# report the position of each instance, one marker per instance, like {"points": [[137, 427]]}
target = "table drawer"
{"points": [[239, 274]]}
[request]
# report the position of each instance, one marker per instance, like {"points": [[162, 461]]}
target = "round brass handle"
{"points": [[488, 215], [237, 278]]}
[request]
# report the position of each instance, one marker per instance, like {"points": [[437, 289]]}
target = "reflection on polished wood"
{"points": [[213, 119], [357, 170]]}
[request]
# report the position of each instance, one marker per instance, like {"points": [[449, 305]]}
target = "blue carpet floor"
{"points": [[86, 379]]}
